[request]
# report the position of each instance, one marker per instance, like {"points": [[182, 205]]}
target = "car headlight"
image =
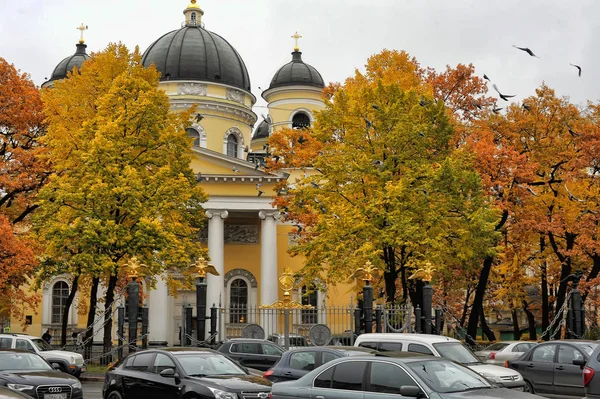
{"points": [[76, 385], [20, 387], [72, 360], [222, 394]]}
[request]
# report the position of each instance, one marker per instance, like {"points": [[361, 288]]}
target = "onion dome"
{"points": [[297, 72], [66, 65], [262, 130], [194, 53]]}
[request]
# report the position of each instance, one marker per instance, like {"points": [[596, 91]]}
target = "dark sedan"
{"points": [[296, 363], [29, 373], [363, 377], [552, 369], [182, 373], [258, 354]]}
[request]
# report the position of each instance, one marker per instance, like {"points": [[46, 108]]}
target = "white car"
{"points": [[440, 346], [69, 362], [498, 353]]}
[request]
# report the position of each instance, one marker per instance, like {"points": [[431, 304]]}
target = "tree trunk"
{"points": [[65, 315], [530, 322], [515, 321], [593, 274], [108, 315], [545, 302], [480, 290], [565, 276], [390, 275], [89, 341], [486, 331], [466, 307]]}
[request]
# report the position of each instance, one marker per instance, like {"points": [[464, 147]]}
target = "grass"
{"points": [[96, 368]]}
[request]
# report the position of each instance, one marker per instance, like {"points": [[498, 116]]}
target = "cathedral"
{"points": [[246, 239]]}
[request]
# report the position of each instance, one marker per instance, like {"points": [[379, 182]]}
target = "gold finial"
{"points": [[287, 284], [296, 36], [82, 27], [203, 267], [425, 273], [133, 267], [366, 272], [287, 281]]}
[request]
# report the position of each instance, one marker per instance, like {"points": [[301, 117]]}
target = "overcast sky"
{"points": [[338, 35]]}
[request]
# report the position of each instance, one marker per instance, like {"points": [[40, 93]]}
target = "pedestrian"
{"points": [[47, 337], [79, 343]]}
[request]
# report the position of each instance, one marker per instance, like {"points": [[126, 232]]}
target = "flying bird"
{"points": [[199, 177], [497, 109], [302, 140], [260, 192], [527, 50], [265, 147], [199, 117], [299, 228], [478, 106], [376, 107], [571, 131], [368, 123], [526, 107], [423, 102], [258, 186], [505, 97], [486, 77], [235, 169], [315, 185], [246, 149], [578, 68], [323, 209], [378, 163]]}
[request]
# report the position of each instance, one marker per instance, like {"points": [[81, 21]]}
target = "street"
{"points": [[92, 390]]}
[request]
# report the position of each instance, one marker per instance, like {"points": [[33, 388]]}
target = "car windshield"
{"points": [[587, 347], [457, 352], [41, 344], [496, 347], [22, 361], [444, 376], [207, 365]]}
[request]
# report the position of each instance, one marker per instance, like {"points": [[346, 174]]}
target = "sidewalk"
{"points": [[96, 376]]}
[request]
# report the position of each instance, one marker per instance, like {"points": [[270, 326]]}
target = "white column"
{"points": [[159, 312], [216, 251], [268, 257]]}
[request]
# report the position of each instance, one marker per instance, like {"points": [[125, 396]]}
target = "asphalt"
{"points": [[93, 376]]}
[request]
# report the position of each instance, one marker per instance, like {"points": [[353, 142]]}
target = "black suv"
{"points": [[175, 373], [258, 354]]}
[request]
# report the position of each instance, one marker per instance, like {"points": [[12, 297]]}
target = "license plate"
{"points": [[520, 389], [55, 396], [83, 369]]}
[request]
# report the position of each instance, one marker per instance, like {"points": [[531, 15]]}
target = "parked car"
{"points": [[6, 393], [298, 362], [499, 352], [69, 362], [441, 346], [591, 374], [416, 376], [296, 341], [258, 354], [182, 373], [29, 373], [549, 368]]}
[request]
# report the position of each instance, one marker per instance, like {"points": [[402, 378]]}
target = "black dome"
{"points": [[66, 65], [262, 131], [193, 53], [297, 72]]}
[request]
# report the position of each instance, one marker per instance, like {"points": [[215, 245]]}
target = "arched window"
{"points": [[238, 301], [191, 132], [193, 19], [232, 145], [300, 121], [309, 297], [60, 293]]}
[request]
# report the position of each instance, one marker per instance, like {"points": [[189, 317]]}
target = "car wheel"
{"points": [[528, 387], [114, 395]]}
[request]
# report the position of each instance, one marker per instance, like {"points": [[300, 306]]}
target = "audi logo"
{"points": [[55, 389]]}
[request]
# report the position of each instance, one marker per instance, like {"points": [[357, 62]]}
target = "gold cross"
{"points": [[296, 36], [82, 28]]}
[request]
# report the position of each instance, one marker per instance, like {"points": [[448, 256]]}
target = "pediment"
{"points": [[214, 164]]}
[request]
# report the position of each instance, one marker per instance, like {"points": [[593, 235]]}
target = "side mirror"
{"points": [[169, 373], [411, 391], [579, 362], [55, 366]]}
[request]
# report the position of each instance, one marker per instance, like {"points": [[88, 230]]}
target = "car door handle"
{"points": [[319, 397], [287, 373], [530, 365], [150, 383], [560, 368]]}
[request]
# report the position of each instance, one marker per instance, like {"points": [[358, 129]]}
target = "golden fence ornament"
{"points": [[287, 284], [364, 273], [203, 267], [424, 274]]}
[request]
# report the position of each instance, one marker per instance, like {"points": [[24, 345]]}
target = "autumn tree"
{"points": [[22, 172], [390, 187], [122, 185]]}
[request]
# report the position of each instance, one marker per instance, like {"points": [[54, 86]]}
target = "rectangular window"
{"points": [[349, 376]]}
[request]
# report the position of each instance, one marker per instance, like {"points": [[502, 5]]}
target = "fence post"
{"points": [[214, 314], [120, 329], [144, 328], [368, 306], [357, 321], [286, 328], [188, 326], [378, 314], [576, 313], [133, 292], [438, 321], [427, 305], [200, 309], [418, 320]]}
